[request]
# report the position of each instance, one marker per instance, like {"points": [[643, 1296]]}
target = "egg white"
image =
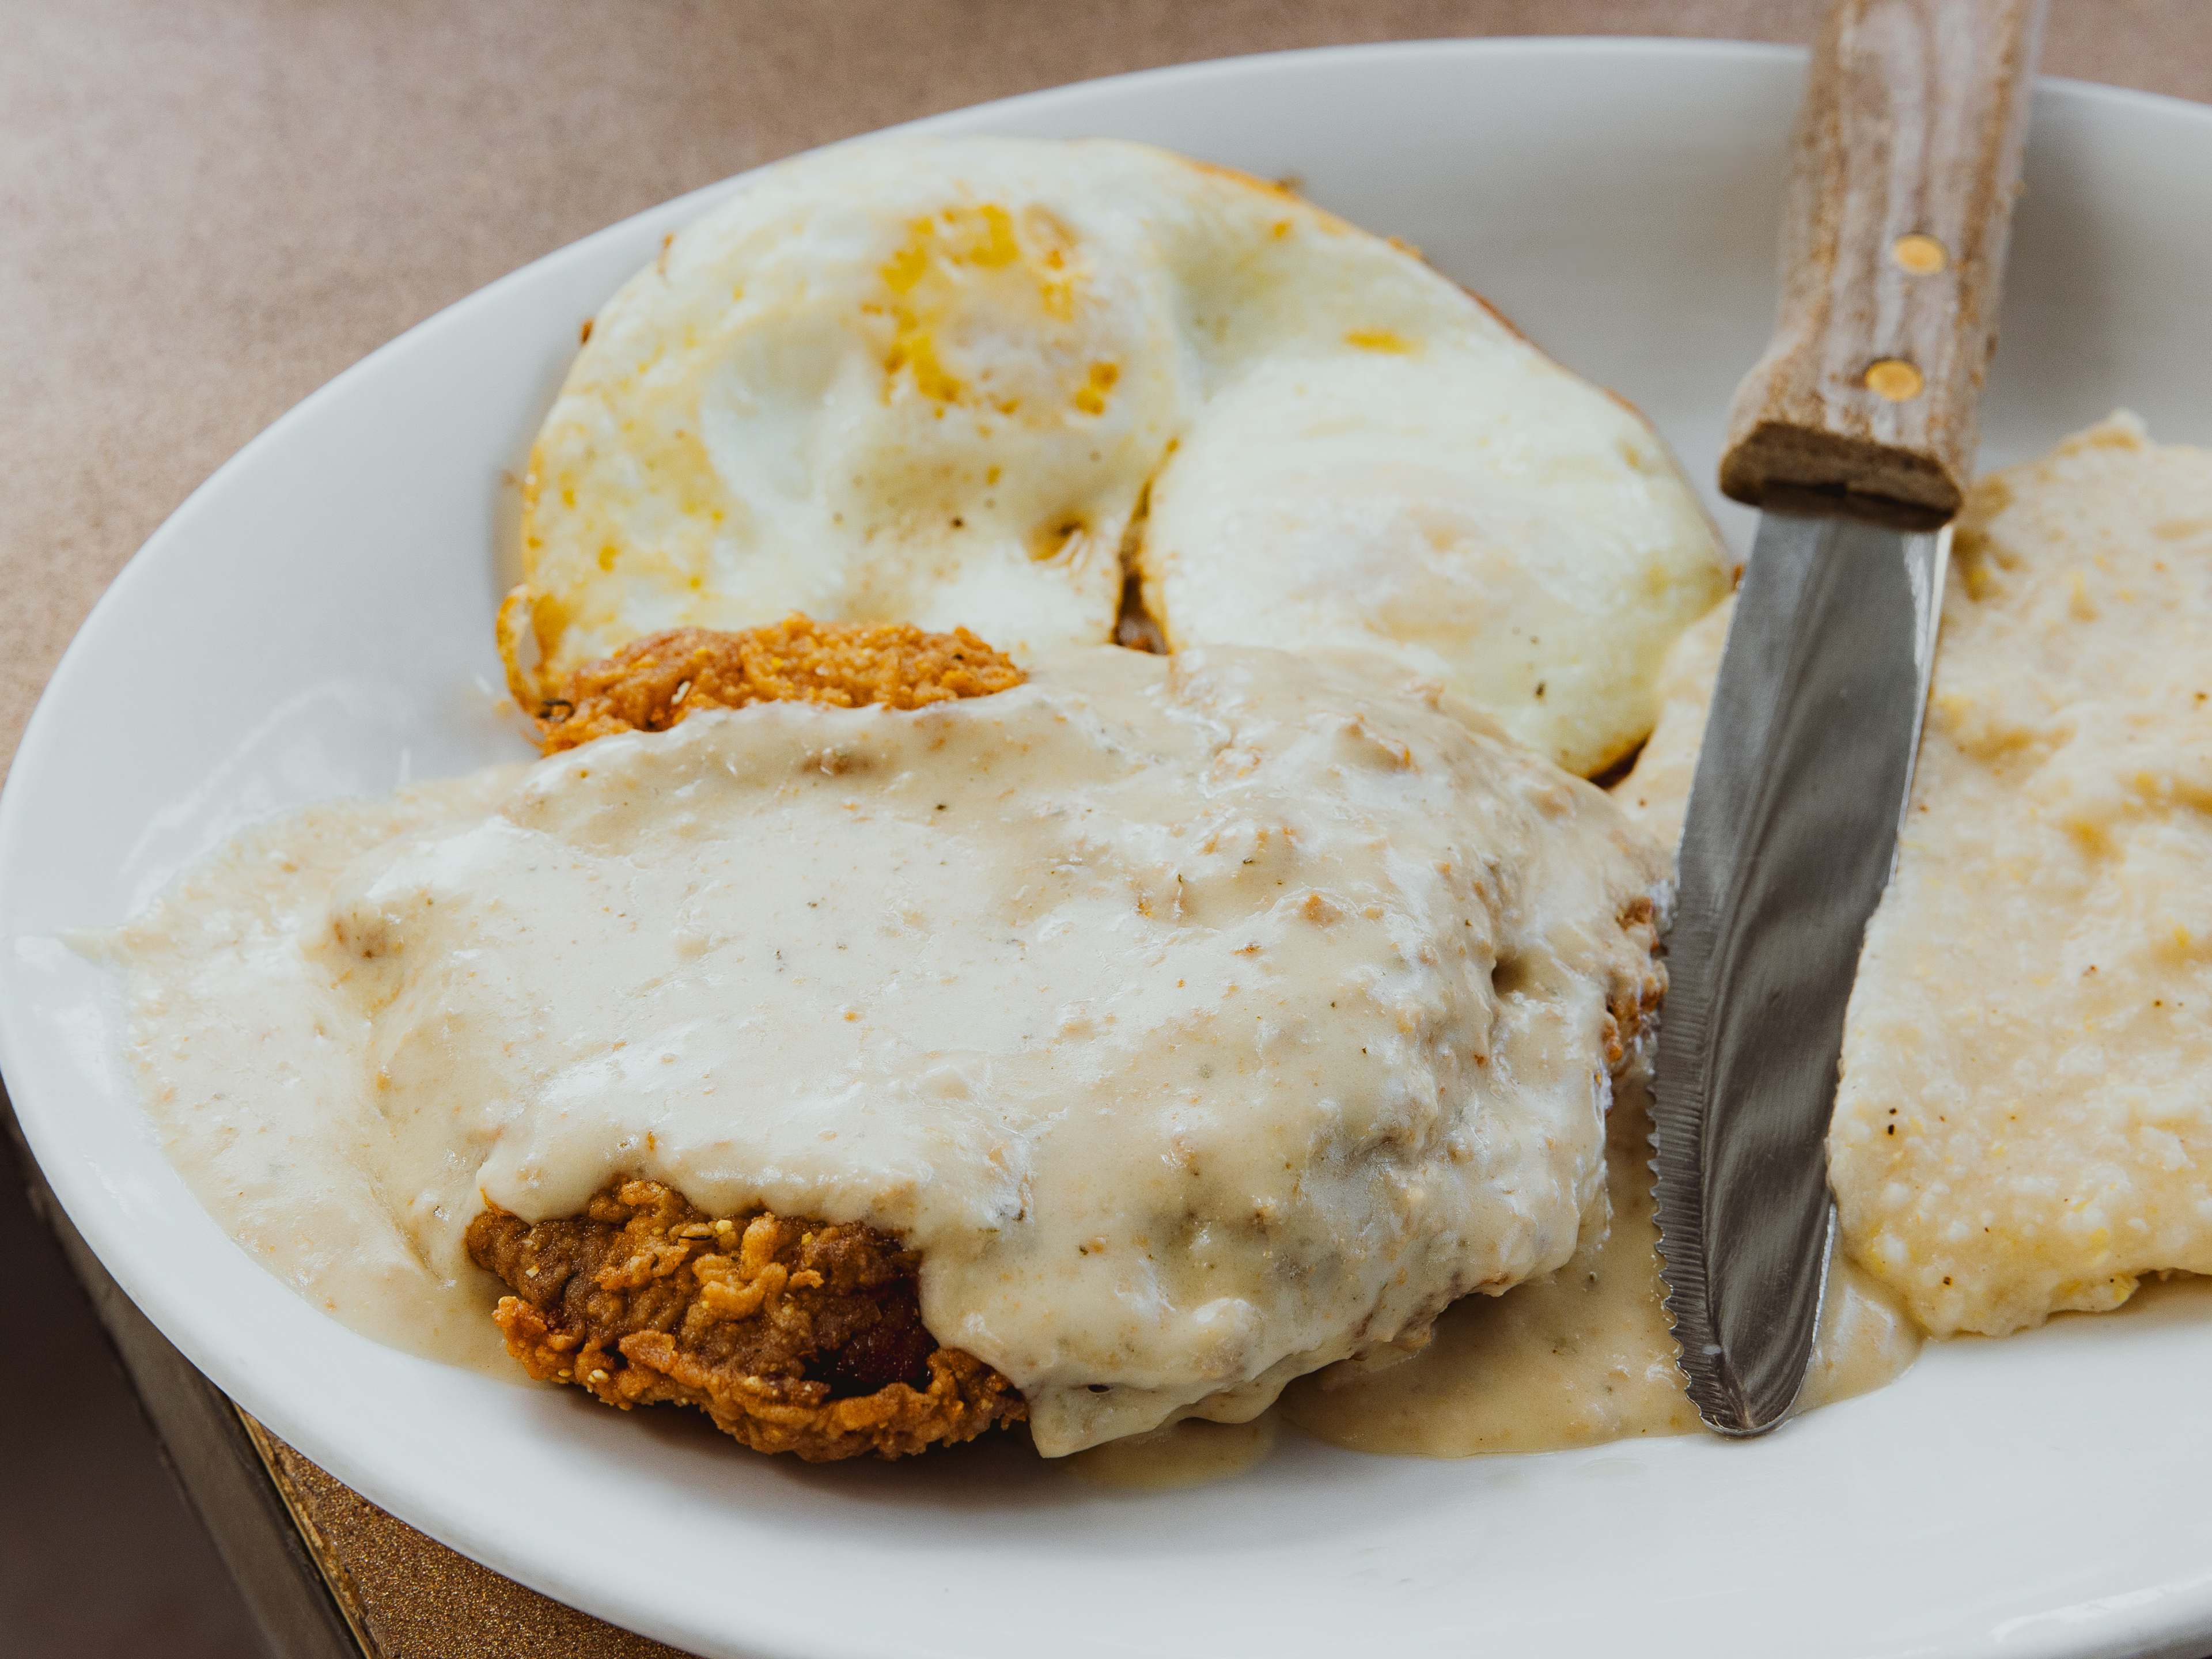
{"points": [[939, 382]]}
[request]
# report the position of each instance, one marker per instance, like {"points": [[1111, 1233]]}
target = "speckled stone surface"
{"points": [[209, 207], [405, 1595]]}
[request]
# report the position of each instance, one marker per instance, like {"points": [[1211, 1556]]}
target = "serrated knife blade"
{"points": [[1805, 774], [1855, 432]]}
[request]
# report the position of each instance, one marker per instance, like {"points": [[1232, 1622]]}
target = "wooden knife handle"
{"points": [[1902, 172]]}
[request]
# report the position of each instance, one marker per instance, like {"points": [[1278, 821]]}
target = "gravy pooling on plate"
{"points": [[1199, 1021], [1586, 1356], [1580, 1357]]}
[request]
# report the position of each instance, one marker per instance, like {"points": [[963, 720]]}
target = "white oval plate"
{"points": [[316, 620]]}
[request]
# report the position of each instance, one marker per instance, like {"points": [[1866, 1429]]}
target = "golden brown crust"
{"points": [[1632, 1005], [797, 1336], [653, 684]]}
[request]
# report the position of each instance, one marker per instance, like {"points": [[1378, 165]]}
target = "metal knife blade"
{"points": [[1904, 166], [1792, 828]]}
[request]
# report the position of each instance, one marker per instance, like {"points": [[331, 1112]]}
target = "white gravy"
{"points": [[1584, 1356], [1200, 1021], [1190, 1453]]}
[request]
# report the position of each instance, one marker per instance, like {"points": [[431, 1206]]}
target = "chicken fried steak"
{"points": [[1100, 1043], [794, 1336]]}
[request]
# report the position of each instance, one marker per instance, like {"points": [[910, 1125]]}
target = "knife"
{"points": [[1854, 433]]}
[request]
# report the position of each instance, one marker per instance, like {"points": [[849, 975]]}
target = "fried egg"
{"points": [[1464, 503], [979, 382]]}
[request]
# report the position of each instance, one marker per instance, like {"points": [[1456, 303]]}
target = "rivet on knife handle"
{"points": [[1904, 164]]}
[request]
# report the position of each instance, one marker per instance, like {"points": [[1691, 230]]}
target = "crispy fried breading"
{"points": [[1631, 1009], [652, 683], [794, 1336]]}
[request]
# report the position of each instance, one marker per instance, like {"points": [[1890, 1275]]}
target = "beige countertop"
{"points": [[209, 207]]}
